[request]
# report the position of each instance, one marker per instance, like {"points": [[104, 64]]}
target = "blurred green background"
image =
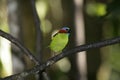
{"points": [[89, 20]]}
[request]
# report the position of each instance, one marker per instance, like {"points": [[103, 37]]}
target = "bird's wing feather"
{"points": [[59, 42]]}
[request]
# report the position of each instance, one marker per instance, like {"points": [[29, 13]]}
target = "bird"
{"points": [[60, 40]]}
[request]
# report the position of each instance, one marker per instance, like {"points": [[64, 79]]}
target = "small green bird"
{"points": [[60, 39]]}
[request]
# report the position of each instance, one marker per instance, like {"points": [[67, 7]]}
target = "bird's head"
{"points": [[64, 30]]}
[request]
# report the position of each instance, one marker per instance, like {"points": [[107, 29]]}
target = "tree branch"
{"points": [[56, 58], [38, 31], [18, 44], [38, 38]]}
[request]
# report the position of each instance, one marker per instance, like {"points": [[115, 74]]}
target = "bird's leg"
{"points": [[53, 54]]}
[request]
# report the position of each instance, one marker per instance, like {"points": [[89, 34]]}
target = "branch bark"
{"points": [[38, 31], [20, 45], [51, 61]]}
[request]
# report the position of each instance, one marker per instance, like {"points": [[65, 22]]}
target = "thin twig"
{"points": [[18, 44], [53, 60]]}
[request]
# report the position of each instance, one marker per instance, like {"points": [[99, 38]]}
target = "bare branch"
{"points": [[53, 60], [38, 31], [38, 38], [18, 44]]}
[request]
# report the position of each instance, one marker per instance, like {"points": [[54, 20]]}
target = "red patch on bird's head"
{"points": [[62, 31]]}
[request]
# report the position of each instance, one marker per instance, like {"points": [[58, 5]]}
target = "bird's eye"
{"points": [[67, 29]]}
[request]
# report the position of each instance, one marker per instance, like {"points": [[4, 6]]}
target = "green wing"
{"points": [[59, 42]]}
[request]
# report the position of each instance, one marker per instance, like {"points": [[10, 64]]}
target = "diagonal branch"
{"points": [[18, 44], [53, 60]]}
